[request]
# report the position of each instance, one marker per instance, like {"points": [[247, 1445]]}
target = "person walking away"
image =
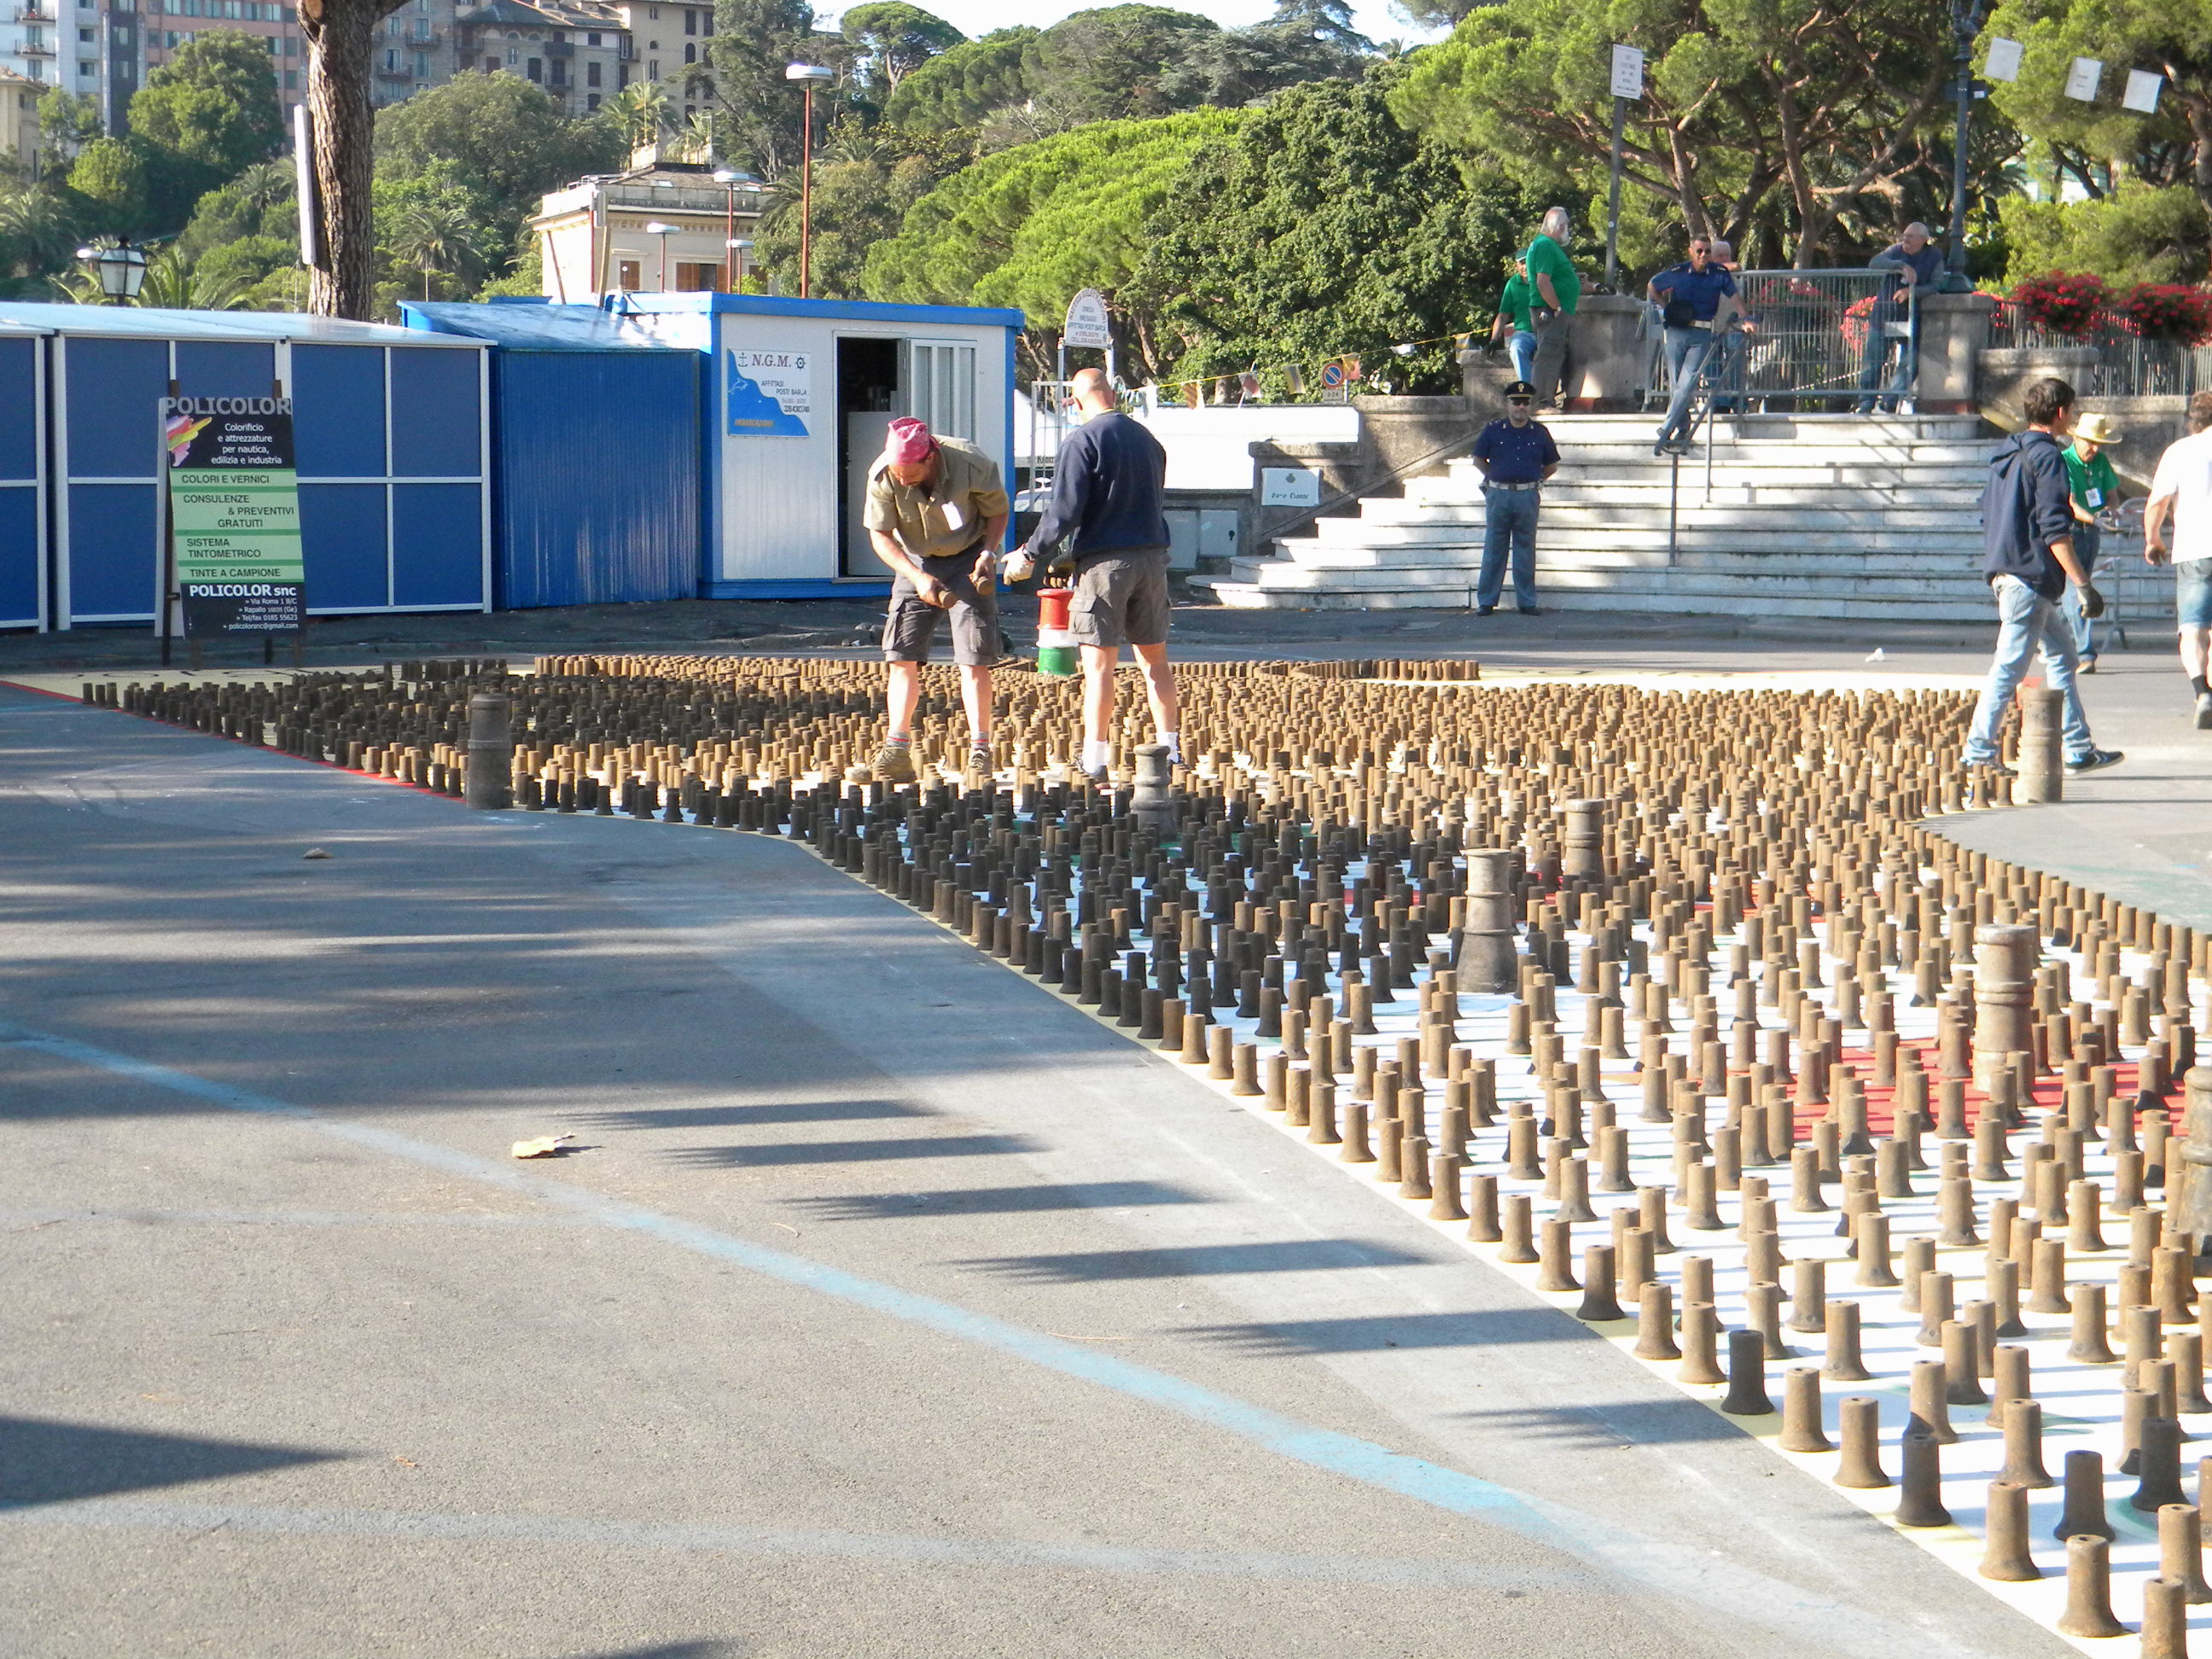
{"points": [[2095, 487], [1696, 299], [1516, 456], [1915, 263], [1513, 324], [936, 510], [1107, 485], [2178, 526], [1558, 291], [2028, 557]]}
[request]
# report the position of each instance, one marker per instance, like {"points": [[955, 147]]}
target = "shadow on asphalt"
{"points": [[996, 1201], [45, 1461], [1476, 1329], [1290, 1255]]}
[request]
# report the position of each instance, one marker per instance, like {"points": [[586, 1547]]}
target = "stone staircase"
{"points": [[1822, 515]]}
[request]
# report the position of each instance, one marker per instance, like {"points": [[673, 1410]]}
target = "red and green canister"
{"points": [[1055, 645]]}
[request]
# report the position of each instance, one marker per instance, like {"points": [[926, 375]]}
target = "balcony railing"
{"points": [[2128, 366], [677, 198]]}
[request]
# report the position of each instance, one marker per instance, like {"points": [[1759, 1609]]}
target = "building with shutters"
{"points": [[594, 237]]}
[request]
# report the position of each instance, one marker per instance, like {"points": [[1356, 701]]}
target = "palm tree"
{"points": [[175, 283], [35, 232], [434, 236], [639, 110], [265, 183], [694, 140]]}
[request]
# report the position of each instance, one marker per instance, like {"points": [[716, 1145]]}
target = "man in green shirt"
{"points": [[1514, 308], [2094, 488], [1558, 291]]}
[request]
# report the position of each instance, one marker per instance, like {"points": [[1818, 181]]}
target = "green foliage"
{"points": [[108, 179], [857, 206], [638, 112], [1829, 108], [70, 120], [434, 232], [2172, 36], [757, 111], [1109, 63], [38, 238], [1029, 226], [959, 88], [2142, 234], [259, 201], [243, 265], [528, 276], [1305, 40], [208, 114], [1322, 226], [891, 40], [500, 137]]}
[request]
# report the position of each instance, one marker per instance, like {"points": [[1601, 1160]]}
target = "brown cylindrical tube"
{"points": [[2023, 1440], [2158, 1475], [1482, 1220], [2084, 1495], [1859, 1422], [1931, 1412], [1801, 1427], [1557, 1271], [1920, 1486], [2165, 1619], [2181, 1550], [1701, 1328], [2090, 1345], [1746, 1393], [1599, 1303], [1655, 1323], [1518, 1244], [1844, 1364], [2006, 1558], [2090, 1588]]}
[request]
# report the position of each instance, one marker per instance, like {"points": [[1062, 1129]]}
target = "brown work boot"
{"points": [[894, 764]]}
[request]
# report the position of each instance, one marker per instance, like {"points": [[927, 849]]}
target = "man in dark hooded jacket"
{"points": [[2028, 542]]}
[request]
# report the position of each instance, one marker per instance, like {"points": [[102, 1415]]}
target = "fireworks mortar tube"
{"points": [[1055, 645]]}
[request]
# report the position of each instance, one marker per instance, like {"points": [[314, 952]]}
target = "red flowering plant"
{"points": [[2060, 304], [2167, 311], [1855, 324]]}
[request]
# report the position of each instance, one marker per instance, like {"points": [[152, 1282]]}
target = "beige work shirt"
{"points": [[946, 518]]}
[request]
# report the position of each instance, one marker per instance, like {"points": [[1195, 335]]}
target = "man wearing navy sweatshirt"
{"points": [[2027, 542], [1106, 482]]}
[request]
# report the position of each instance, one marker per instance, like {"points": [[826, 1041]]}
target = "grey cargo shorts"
{"points": [[910, 630], [1121, 598]]}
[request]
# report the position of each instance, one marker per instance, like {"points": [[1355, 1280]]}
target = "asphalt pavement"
{"points": [[885, 1304]]}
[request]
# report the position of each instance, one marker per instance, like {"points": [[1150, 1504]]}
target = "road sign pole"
{"points": [[1613, 202]]}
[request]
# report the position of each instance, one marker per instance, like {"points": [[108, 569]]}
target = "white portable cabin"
{"points": [[799, 394]]}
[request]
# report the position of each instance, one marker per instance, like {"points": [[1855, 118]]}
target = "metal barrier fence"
{"points": [[1810, 340], [2128, 366]]}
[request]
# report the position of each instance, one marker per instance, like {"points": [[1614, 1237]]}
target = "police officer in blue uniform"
{"points": [[1516, 455]]}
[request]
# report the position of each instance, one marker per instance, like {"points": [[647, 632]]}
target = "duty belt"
{"points": [[1537, 484]]}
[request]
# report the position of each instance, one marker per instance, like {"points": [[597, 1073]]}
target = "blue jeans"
{"points": [[2025, 620], [1878, 342], [2088, 543], [1728, 380], [1520, 347], [1686, 350], [1507, 515]]}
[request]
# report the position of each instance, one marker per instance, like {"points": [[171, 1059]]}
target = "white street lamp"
{"points": [[122, 269], [730, 178], [654, 227], [740, 247], [809, 76]]}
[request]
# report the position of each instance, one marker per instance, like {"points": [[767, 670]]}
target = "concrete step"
{"points": [[1924, 544], [1864, 609], [1628, 571], [1808, 485], [1379, 520]]}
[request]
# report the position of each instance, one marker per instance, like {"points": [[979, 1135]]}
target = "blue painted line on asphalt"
{"points": [[1340, 1454], [1675, 1569]]}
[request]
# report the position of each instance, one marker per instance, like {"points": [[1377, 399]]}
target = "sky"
{"points": [[1373, 18]]}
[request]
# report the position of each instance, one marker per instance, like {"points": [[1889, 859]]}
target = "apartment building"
{"points": [[579, 51], [18, 120], [670, 45]]}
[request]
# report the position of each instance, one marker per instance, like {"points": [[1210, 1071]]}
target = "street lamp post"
{"points": [[730, 179], [739, 246], [1965, 24], [122, 269], [809, 76], [654, 227]]}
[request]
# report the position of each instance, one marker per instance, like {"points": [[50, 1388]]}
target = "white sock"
{"points": [[1175, 748], [1096, 751], [900, 740]]}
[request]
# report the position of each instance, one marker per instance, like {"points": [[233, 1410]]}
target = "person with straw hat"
{"points": [[2094, 488], [935, 512]]}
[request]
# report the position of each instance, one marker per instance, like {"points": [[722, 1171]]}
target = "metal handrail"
{"points": [[1443, 452]]}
